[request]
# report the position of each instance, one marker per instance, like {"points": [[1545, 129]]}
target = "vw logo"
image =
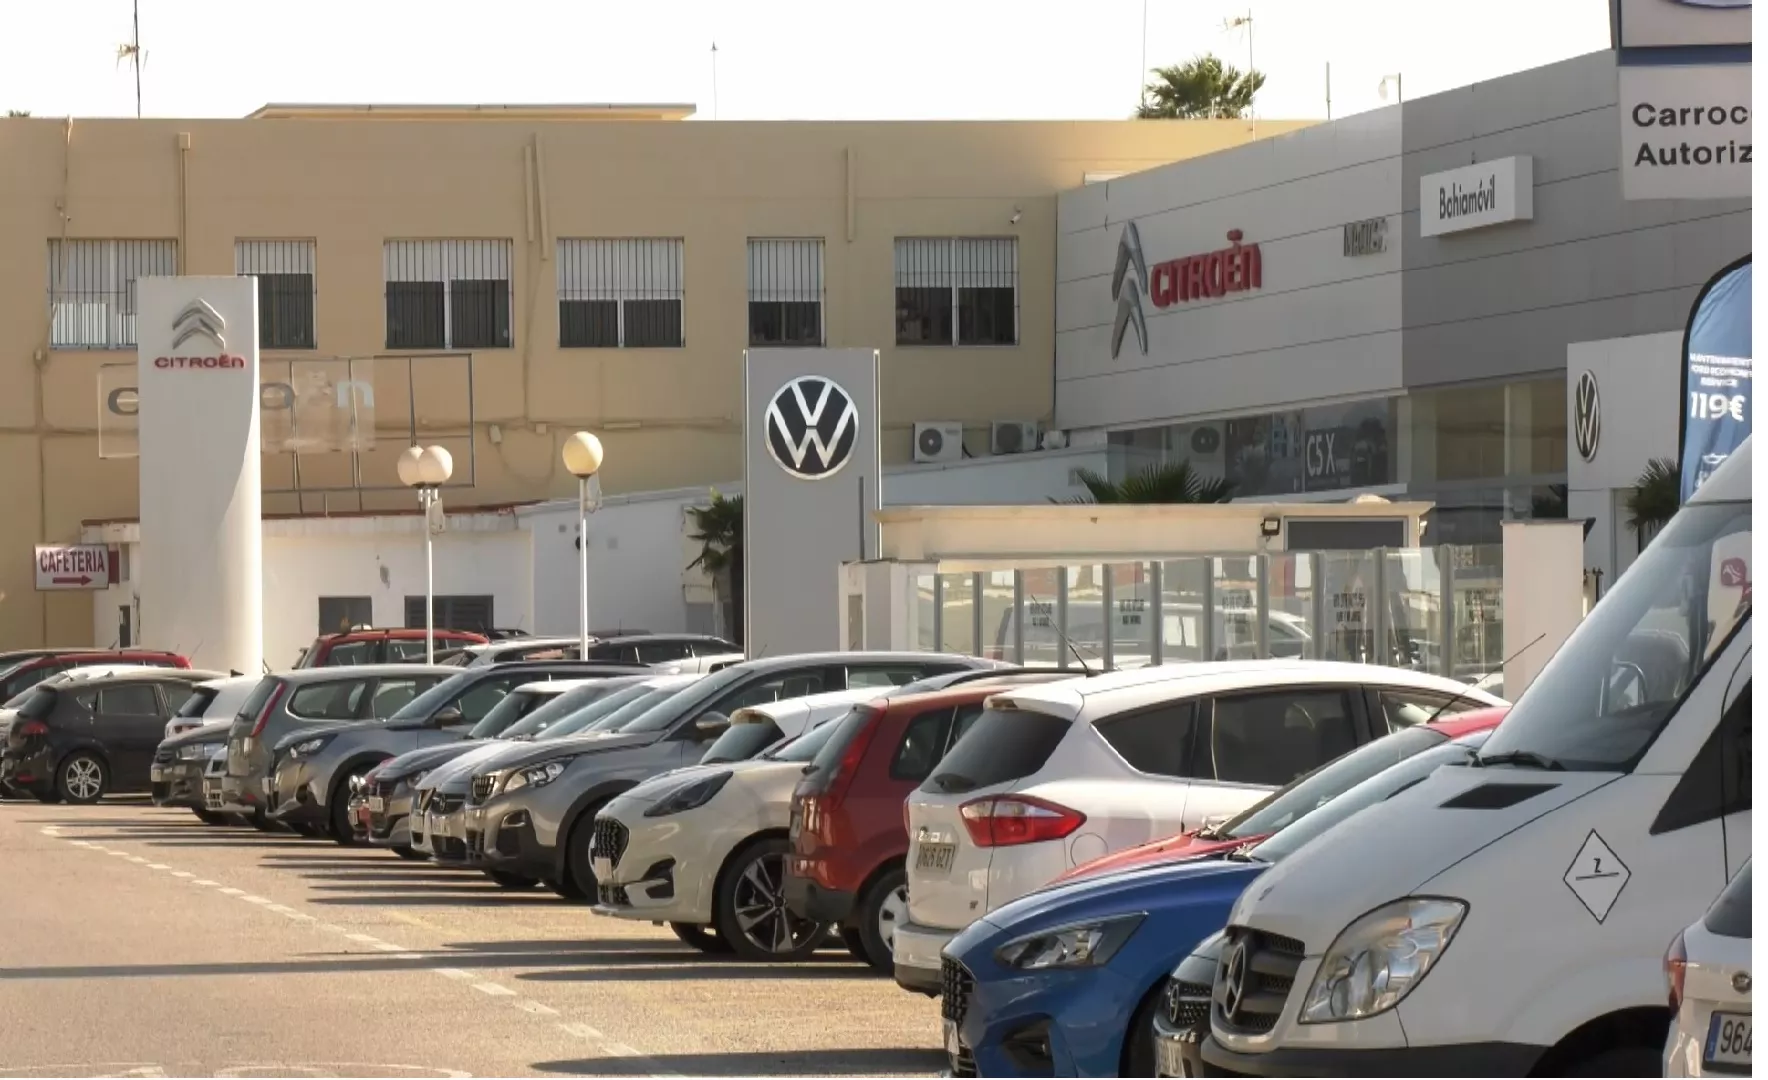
{"points": [[1233, 980], [1587, 416], [812, 427]]}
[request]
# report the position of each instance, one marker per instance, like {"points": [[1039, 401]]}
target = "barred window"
{"points": [[448, 294], [786, 292], [92, 289], [286, 290], [620, 294], [957, 291]]}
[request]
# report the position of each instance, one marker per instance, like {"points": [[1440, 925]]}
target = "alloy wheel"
{"points": [[85, 779], [761, 910]]}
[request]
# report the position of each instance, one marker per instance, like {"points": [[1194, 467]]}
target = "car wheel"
{"points": [[751, 912], [338, 822], [579, 874], [563, 889], [260, 820], [855, 942], [507, 880], [210, 817], [405, 851], [81, 779], [1138, 1043], [311, 832], [883, 908], [1620, 1061], [701, 938]]}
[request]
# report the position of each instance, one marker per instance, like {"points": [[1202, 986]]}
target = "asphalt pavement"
{"points": [[140, 942]]}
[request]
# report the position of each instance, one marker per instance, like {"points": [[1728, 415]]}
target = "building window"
{"points": [[448, 294], [620, 294], [338, 614], [957, 291], [786, 292], [92, 289], [471, 613], [284, 269]]}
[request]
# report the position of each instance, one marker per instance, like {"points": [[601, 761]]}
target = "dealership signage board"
{"points": [[202, 581], [1685, 131], [1662, 24], [1476, 196], [811, 473], [61, 567]]}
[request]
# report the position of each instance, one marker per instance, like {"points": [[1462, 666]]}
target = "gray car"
{"points": [[310, 782], [179, 764], [532, 817], [309, 699]]}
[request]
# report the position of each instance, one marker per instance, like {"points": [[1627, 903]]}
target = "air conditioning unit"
{"points": [[939, 440], [1012, 436]]}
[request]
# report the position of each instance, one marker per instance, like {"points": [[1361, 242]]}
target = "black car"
{"points": [[79, 740]]}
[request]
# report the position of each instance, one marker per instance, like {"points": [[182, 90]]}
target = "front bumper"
{"points": [[661, 873], [1464, 1059], [178, 783], [917, 952], [444, 836], [810, 900], [1039, 1023], [293, 797], [501, 837], [390, 824]]}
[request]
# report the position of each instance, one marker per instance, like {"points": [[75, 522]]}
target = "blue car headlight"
{"points": [[1076, 945]]}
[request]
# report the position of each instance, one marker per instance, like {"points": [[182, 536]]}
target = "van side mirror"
{"points": [[711, 725]]}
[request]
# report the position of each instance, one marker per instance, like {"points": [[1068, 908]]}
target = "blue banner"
{"points": [[1716, 375]]}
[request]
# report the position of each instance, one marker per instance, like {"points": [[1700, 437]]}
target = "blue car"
{"points": [[1066, 981]]}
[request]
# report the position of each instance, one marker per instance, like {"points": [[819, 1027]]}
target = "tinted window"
{"points": [[1403, 708], [391, 695], [1273, 738], [1730, 914], [39, 704], [176, 694], [1155, 741], [350, 654], [740, 742], [568, 711], [629, 716], [965, 717], [886, 677], [399, 651], [257, 699], [794, 684], [505, 713], [805, 747], [842, 732], [659, 652], [692, 698], [712, 648], [1717, 781], [24, 680], [482, 698], [1329, 781], [193, 706], [136, 700], [923, 744], [1002, 746], [329, 700], [434, 698]]}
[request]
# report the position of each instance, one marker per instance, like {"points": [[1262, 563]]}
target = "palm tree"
{"points": [[1174, 482], [718, 529], [1203, 88], [18, 114], [1655, 498]]}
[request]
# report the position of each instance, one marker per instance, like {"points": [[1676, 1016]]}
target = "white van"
{"points": [[1600, 819]]}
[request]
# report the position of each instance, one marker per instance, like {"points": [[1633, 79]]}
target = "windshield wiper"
{"points": [[1243, 854], [946, 780], [1526, 759]]}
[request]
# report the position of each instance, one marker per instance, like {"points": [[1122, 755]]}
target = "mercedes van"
{"points": [[1509, 917]]}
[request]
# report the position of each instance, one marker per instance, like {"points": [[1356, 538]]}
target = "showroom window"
{"points": [[786, 292], [286, 290], [448, 294], [620, 294], [92, 289], [957, 291]]}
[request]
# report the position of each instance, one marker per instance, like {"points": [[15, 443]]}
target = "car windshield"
{"points": [[1378, 788], [427, 703], [626, 717], [510, 708], [805, 747], [1308, 793], [682, 703], [1603, 698], [741, 742], [197, 701], [560, 710]]}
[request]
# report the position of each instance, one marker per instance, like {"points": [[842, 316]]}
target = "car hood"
{"points": [[216, 732], [464, 764], [527, 753], [429, 757], [1165, 851], [1399, 845], [658, 786], [1210, 885]]}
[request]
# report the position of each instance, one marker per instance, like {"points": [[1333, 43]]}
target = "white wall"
{"points": [[1639, 386], [1007, 480]]}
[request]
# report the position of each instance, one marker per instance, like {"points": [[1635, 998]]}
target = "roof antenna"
{"points": [[715, 80], [1064, 637], [132, 53]]}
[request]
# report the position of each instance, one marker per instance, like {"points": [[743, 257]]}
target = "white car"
{"points": [[217, 699], [1058, 774], [704, 848], [702, 665], [755, 728], [1708, 968]]}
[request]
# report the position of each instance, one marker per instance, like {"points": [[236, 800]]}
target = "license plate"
{"points": [[1167, 1059], [156, 775], [952, 1046], [937, 857], [1728, 1040], [376, 804]]}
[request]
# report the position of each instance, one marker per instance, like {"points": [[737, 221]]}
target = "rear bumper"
{"points": [[179, 784], [292, 798], [809, 900], [31, 774], [916, 951]]}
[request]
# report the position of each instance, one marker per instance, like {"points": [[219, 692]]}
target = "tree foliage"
{"points": [[1203, 88], [718, 529], [1175, 482]]}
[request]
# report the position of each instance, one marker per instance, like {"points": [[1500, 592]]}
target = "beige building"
{"points": [[510, 274]]}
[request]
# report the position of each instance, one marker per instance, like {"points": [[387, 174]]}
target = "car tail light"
{"points": [[848, 768], [269, 706], [905, 819], [1005, 820], [1676, 970], [32, 727]]}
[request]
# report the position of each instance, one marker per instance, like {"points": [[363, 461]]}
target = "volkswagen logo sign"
{"points": [[812, 427], [1587, 416]]}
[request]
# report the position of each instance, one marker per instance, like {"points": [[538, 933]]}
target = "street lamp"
{"points": [[583, 457], [427, 469]]}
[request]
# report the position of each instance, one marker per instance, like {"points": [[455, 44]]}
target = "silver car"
{"points": [[533, 817]]}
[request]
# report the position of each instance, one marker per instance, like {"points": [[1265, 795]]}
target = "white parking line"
{"points": [[582, 1031], [493, 989], [365, 939], [205, 881], [534, 1007], [158, 866], [81, 843], [231, 891], [453, 973], [387, 946], [257, 899]]}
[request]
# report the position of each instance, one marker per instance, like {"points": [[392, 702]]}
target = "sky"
{"points": [[776, 59]]}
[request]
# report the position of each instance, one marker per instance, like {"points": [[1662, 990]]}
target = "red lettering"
{"points": [[1235, 268], [1215, 267], [1196, 281]]}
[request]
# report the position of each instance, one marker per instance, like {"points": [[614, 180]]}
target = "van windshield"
{"points": [[1613, 685]]}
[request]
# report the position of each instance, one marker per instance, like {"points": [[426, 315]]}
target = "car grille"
{"points": [[613, 895], [1270, 965], [165, 755], [1186, 1005], [446, 804], [482, 788], [609, 840], [384, 789], [955, 984], [423, 799]]}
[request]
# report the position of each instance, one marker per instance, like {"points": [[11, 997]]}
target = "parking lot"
{"points": [[140, 942]]}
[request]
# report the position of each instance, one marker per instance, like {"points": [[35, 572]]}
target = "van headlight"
{"points": [[536, 776], [1079, 945], [1378, 959]]}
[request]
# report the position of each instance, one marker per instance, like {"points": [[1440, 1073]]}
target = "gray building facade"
{"points": [[1406, 331]]}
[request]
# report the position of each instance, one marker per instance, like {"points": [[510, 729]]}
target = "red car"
{"points": [[397, 646], [1199, 843], [846, 865], [32, 670]]}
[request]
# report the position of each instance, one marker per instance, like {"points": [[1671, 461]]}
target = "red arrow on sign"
{"points": [[81, 580]]}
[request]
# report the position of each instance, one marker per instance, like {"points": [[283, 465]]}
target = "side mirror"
{"points": [[446, 717], [711, 725]]}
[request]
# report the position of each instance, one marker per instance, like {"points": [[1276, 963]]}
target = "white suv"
{"points": [[1054, 775]]}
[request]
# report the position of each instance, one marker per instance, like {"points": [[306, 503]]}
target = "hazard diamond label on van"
{"points": [[1597, 876]]}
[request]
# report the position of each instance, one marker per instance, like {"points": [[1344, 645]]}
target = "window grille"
{"points": [[448, 294], [957, 291], [620, 294], [286, 289], [92, 289], [786, 292]]}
